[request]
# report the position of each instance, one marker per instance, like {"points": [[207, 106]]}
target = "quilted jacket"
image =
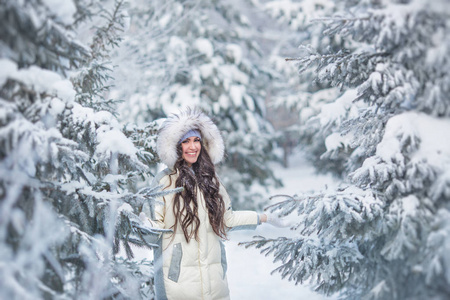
{"points": [[193, 270]]}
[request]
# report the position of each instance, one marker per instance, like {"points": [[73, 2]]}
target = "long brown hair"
{"points": [[185, 205]]}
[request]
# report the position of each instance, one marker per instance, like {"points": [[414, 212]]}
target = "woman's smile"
{"points": [[191, 149]]}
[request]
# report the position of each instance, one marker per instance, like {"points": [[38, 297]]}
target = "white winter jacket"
{"points": [[193, 270]]}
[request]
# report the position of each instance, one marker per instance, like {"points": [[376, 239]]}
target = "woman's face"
{"points": [[190, 149]]}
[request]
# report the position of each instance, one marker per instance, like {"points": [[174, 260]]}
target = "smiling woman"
{"points": [[190, 262]]}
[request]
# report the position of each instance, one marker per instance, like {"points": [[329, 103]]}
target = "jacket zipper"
{"points": [[200, 269]]}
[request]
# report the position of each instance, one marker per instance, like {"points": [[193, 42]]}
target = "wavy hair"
{"points": [[185, 205]]}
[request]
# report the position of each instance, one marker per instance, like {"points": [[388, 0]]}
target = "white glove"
{"points": [[275, 220]]}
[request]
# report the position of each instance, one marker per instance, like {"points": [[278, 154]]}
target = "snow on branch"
{"points": [[333, 214], [306, 259]]}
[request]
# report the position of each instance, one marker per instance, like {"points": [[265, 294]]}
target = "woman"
{"points": [[190, 262]]}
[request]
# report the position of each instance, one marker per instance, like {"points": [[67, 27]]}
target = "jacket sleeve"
{"points": [[159, 208], [236, 220], [154, 217], [156, 222]]}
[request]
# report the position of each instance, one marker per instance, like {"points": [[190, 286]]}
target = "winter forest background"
{"points": [[359, 87]]}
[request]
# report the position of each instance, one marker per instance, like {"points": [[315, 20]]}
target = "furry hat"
{"points": [[174, 128]]}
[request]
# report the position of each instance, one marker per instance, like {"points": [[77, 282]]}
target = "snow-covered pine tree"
{"points": [[67, 168], [197, 53], [300, 94], [385, 234]]}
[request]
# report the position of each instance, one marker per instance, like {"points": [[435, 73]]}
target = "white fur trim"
{"points": [[176, 125]]}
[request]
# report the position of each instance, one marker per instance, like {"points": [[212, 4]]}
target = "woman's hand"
{"points": [[274, 220], [263, 218]]}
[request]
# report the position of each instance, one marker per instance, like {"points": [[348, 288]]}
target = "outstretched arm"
{"points": [[244, 219]]}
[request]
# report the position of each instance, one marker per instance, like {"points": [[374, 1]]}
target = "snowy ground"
{"points": [[249, 271]]}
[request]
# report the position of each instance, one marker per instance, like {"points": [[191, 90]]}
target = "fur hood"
{"points": [[176, 125]]}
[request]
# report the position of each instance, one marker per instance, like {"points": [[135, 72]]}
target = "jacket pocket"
{"points": [[223, 259], [175, 262]]}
